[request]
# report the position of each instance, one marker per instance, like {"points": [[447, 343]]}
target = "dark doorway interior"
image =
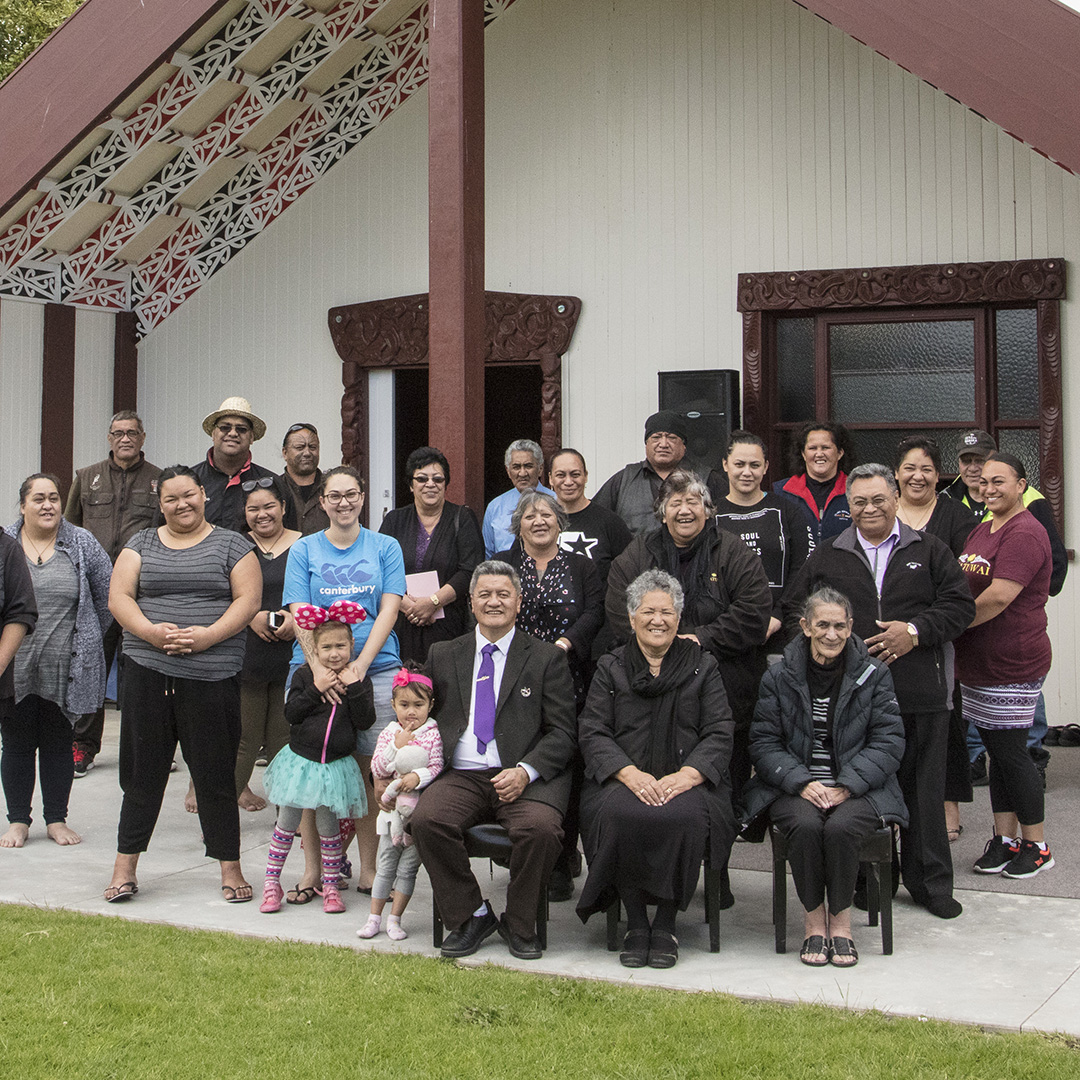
{"points": [[512, 401], [512, 396], [410, 424]]}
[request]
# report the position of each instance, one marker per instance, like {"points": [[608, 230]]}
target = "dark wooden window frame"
{"points": [[1038, 281]]}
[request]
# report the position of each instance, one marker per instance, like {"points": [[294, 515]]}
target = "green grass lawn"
{"points": [[97, 997]]}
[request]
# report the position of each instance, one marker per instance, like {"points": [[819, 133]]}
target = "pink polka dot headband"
{"points": [[308, 616], [404, 677]]}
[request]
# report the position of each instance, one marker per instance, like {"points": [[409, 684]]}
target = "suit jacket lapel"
{"points": [[515, 662], [464, 661]]}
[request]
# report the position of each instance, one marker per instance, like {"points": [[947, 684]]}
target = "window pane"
{"points": [[903, 371], [1017, 365], [795, 356], [1025, 446], [881, 446]]}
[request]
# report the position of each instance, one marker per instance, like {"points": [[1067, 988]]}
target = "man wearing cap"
{"points": [[228, 465], [302, 477], [972, 450], [523, 460], [113, 499], [632, 491]]}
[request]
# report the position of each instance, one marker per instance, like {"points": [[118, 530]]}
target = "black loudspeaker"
{"points": [[709, 399]]}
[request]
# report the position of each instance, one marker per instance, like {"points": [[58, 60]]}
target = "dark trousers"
{"points": [[925, 859], [89, 728], [454, 803], [823, 847], [35, 731], [1015, 784], [159, 711]]}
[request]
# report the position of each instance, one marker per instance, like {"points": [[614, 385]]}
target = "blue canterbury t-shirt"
{"points": [[319, 573]]}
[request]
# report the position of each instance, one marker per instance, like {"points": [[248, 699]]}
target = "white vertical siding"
{"points": [[94, 335], [639, 156], [21, 342]]}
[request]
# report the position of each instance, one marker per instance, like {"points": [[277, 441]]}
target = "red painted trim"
{"points": [[1015, 64], [75, 79], [58, 394], [125, 362]]}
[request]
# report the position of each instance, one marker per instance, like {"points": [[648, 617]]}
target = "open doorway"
{"points": [[512, 410]]}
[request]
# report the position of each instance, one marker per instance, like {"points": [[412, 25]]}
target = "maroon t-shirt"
{"points": [[1013, 647]]}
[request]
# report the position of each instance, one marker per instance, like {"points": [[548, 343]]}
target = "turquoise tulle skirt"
{"points": [[292, 780]]}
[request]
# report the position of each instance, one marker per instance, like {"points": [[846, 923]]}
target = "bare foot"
{"points": [[16, 835], [248, 800], [64, 836], [191, 804]]}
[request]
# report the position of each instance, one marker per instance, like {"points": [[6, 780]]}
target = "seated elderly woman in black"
{"points": [[656, 737], [826, 741]]}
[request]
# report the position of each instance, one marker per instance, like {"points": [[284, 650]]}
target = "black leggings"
{"points": [[36, 728], [158, 711], [1015, 784]]}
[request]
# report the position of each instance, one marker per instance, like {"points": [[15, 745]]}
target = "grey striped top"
{"points": [[189, 587]]}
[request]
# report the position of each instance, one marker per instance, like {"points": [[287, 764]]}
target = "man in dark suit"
{"points": [[505, 710]]}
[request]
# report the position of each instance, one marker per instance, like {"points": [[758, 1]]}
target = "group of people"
{"points": [[649, 671]]}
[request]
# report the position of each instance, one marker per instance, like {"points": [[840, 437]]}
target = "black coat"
{"points": [[534, 716], [455, 550], [309, 715], [923, 585], [867, 735], [613, 732], [739, 602]]}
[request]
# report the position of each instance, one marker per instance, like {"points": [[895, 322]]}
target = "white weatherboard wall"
{"points": [[21, 339], [639, 156], [94, 346]]}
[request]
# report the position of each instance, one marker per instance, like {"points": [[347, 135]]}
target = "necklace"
{"points": [[267, 553], [918, 524], [40, 551]]}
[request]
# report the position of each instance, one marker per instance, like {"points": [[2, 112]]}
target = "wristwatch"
{"points": [[434, 598], [913, 630]]}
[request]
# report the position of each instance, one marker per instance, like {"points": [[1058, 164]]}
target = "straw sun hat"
{"points": [[235, 406]]}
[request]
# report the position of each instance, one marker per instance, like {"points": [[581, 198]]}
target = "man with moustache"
{"points": [[302, 477]]}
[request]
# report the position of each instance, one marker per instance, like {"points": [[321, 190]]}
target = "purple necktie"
{"points": [[484, 715]]}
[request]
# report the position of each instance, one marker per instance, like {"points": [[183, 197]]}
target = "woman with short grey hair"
{"points": [[656, 736]]}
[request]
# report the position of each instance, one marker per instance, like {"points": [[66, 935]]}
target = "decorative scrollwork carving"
{"points": [[1051, 455], [903, 286]]}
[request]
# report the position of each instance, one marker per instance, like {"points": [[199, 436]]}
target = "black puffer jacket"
{"points": [[867, 735], [309, 717], [923, 585]]}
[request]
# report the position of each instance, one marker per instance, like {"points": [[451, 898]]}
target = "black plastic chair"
{"points": [[492, 842], [712, 913], [876, 855]]}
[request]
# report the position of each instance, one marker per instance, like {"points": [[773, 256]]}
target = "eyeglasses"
{"points": [[335, 497], [878, 501], [127, 433], [240, 429], [423, 479], [262, 482]]}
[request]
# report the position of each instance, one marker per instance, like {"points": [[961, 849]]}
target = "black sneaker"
{"points": [[997, 855], [1030, 860], [979, 775], [84, 761]]}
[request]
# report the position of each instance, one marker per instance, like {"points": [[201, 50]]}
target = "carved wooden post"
{"points": [[456, 239]]}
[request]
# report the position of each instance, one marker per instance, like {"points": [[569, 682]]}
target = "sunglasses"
{"points": [[262, 482], [240, 429]]}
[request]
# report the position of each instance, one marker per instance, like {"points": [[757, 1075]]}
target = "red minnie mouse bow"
{"points": [[308, 616]]}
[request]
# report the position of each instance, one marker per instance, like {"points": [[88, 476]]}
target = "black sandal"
{"points": [[635, 949], [843, 947], [814, 946], [296, 895], [663, 950]]}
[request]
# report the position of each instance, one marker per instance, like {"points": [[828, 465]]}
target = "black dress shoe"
{"points": [[466, 939], [560, 886], [524, 948]]}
